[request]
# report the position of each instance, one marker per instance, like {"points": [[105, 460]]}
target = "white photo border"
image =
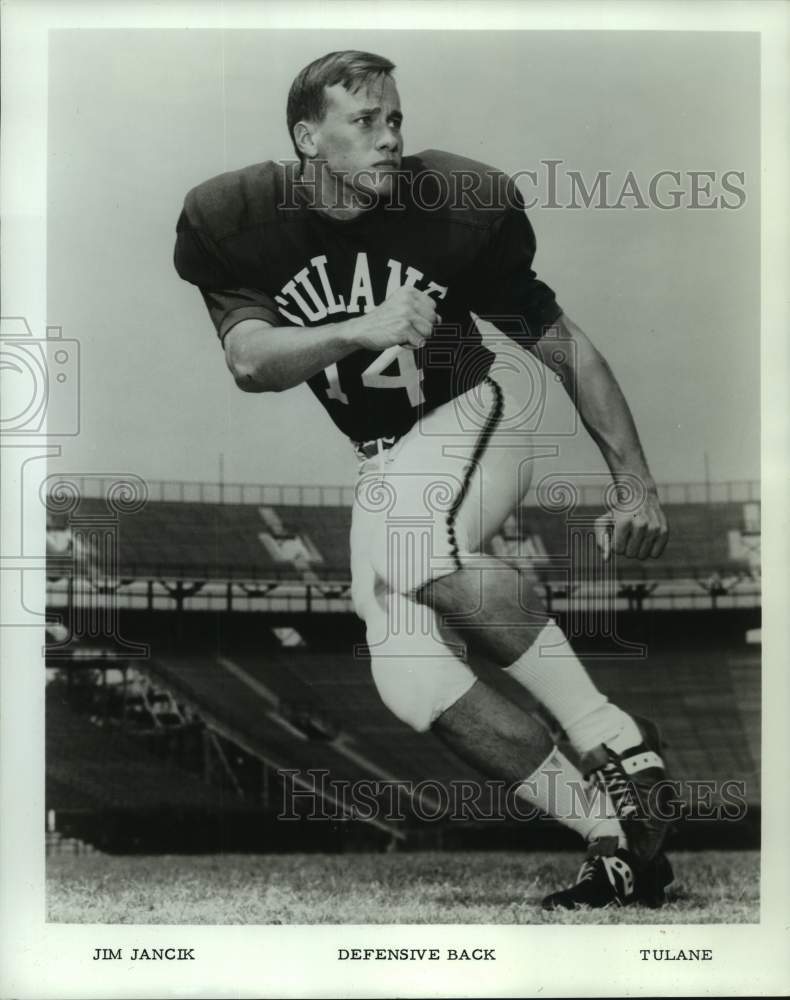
{"points": [[43, 960]]}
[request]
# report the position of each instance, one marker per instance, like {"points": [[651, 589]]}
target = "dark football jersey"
{"points": [[451, 227]]}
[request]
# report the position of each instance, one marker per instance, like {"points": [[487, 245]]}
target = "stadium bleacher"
{"points": [[88, 766], [308, 708], [236, 540], [217, 540], [699, 539], [703, 700], [327, 528], [284, 686], [275, 708], [340, 688]]}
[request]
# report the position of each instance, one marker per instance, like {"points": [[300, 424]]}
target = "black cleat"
{"points": [[653, 880], [603, 880], [615, 880], [635, 781]]}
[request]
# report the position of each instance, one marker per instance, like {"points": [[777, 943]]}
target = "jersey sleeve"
{"points": [[509, 293], [200, 261]]}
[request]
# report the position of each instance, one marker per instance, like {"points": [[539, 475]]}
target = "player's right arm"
{"points": [[263, 353], [267, 358]]}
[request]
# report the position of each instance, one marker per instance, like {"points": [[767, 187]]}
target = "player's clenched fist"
{"points": [[405, 319], [637, 534]]}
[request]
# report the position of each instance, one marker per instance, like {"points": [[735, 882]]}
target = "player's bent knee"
{"points": [[420, 690], [415, 674]]}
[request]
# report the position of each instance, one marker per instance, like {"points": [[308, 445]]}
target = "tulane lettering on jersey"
{"points": [[257, 251], [310, 297]]}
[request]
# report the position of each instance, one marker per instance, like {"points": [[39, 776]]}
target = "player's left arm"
{"points": [[641, 532]]}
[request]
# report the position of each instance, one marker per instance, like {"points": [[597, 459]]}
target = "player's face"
{"points": [[360, 136]]}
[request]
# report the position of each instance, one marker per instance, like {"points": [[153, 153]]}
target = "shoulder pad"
{"points": [[236, 200], [478, 192]]}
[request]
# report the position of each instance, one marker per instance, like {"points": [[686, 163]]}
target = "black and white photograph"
{"points": [[388, 424]]}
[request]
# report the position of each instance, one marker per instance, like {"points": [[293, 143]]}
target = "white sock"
{"points": [[552, 673], [559, 789]]}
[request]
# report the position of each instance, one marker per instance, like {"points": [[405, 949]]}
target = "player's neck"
{"points": [[328, 195]]}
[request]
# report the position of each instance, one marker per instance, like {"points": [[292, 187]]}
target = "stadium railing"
{"points": [[241, 546]]}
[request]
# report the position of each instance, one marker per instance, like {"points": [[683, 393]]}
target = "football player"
{"points": [[364, 273]]}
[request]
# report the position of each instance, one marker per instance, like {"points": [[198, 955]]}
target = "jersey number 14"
{"points": [[408, 377]]}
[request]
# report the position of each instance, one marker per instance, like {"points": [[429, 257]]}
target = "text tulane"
{"points": [[676, 954]]}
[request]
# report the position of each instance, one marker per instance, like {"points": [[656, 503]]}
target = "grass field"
{"points": [[419, 888]]}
